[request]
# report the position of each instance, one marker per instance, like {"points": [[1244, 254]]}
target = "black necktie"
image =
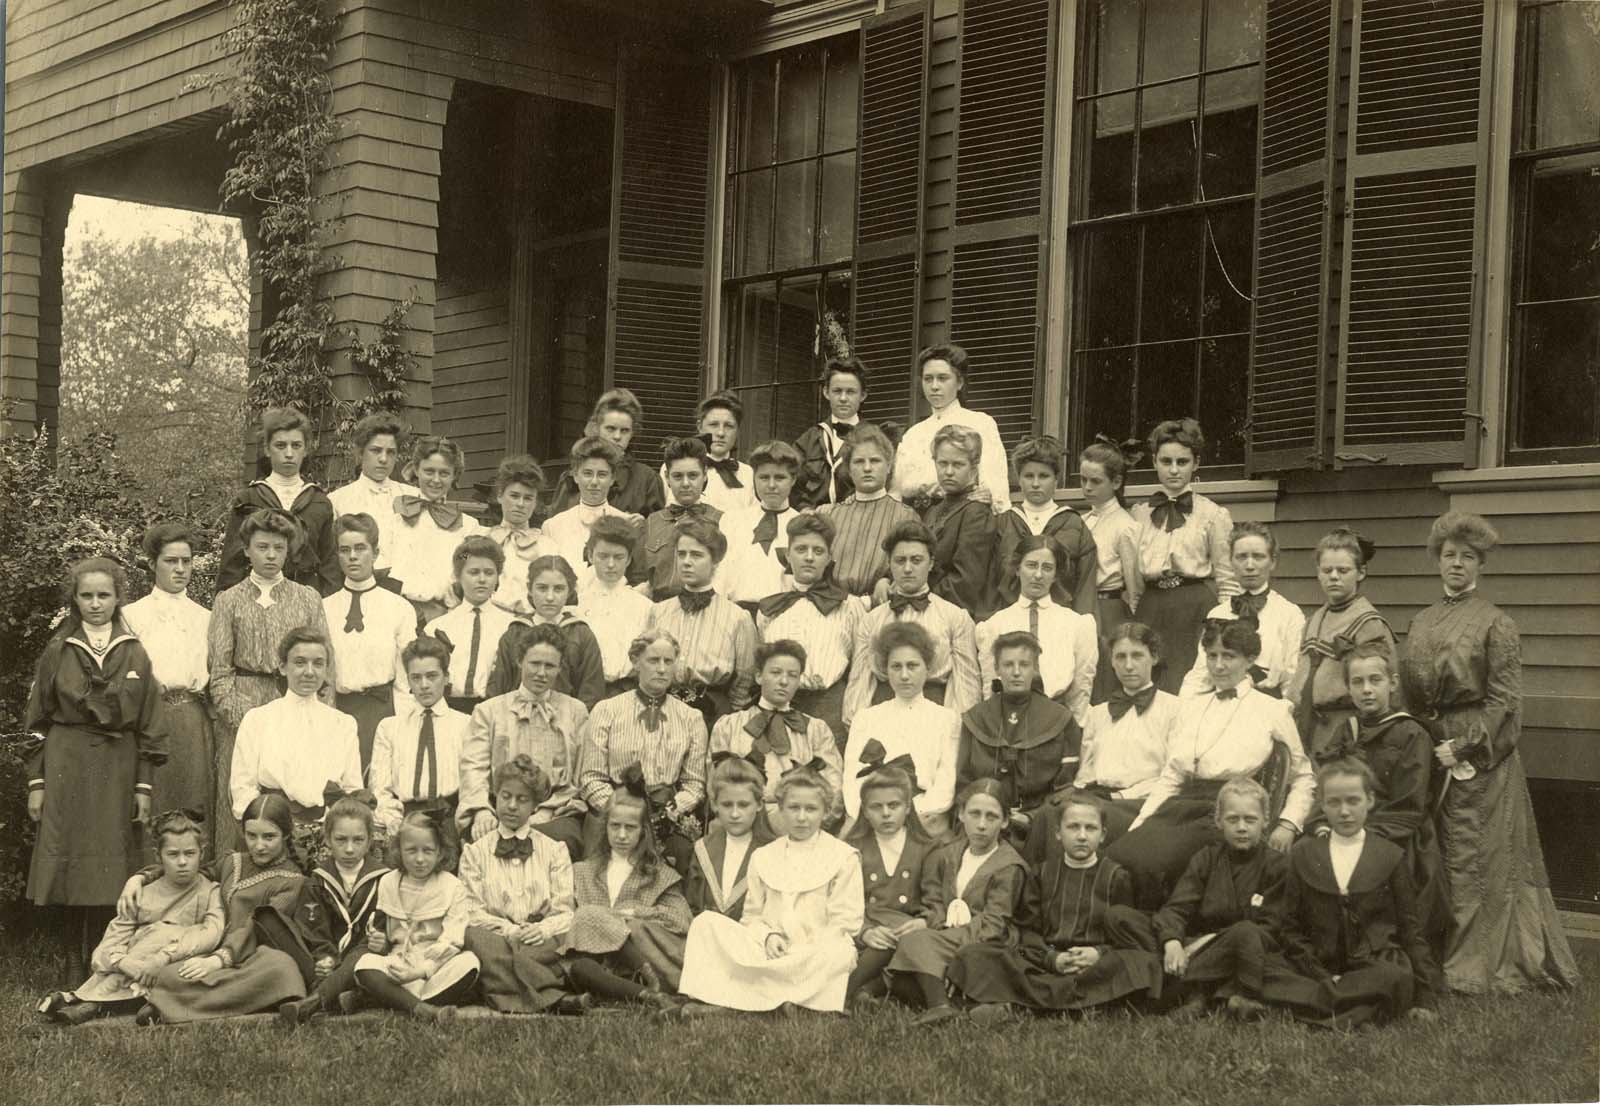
{"points": [[426, 751], [1225, 694], [766, 531], [1170, 513], [693, 602], [652, 712], [1249, 606], [728, 467], [1121, 702], [514, 848], [472, 654], [353, 622], [898, 602], [1033, 619]]}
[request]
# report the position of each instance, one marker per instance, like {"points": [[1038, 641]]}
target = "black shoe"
{"points": [[572, 1006], [52, 1004], [300, 1011], [147, 1015], [80, 1012]]}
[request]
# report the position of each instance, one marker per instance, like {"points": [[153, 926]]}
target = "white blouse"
{"points": [[365, 496], [422, 556], [1282, 625], [568, 532], [913, 458], [1071, 650], [929, 733], [1128, 755], [617, 615], [749, 573], [173, 630], [297, 746]]}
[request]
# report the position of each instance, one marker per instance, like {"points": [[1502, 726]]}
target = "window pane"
{"points": [[1166, 145], [1172, 261], [755, 136], [799, 102], [1559, 376], [1112, 269], [1566, 107], [844, 92], [753, 221], [1116, 45], [795, 407], [797, 215], [838, 207], [836, 316], [1228, 257], [798, 329], [1166, 383], [1106, 394], [753, 349], [1224, 397], [1562, 257], [1110, 154], [1229, 164], [1233, 32], [1171, 38]]}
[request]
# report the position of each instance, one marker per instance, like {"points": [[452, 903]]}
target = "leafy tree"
{"points": [[153, 351]]}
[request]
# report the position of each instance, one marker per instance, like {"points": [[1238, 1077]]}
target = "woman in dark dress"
{"points": [[95, 717], [1462, 673]]}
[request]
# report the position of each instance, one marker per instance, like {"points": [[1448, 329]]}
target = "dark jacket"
{"points": [[1040, 757], [315, 564], [963, 545]]}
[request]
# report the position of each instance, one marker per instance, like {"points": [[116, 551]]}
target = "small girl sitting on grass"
{"points": [[415, 962], [718, 879], [1220, 922], [972, 889], [177, 916], [626, 939], [796, 942], [894, 850]]}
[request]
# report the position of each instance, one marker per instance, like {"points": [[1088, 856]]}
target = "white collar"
{"points": [[173, 598], [97, 635], [1100, 510], [1189, 487], [365, 586], [1448, 594], [1264, 589], [1029, 509], [896, 840], [1070, 863], [414, 709], [300, 702], [520, 835], [1348, 844], [873, 497], [853, 420], [267, 586], [374, 486], [951, 411], [1045, 602], [764, 703]]}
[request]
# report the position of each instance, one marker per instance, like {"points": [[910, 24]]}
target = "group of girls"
{"points": [[832, 725]]}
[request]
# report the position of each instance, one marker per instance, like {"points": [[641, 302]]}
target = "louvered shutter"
{"points": [[1003, 130], [656, 340], [1294, 225], [887, 291], [1415, 195]]}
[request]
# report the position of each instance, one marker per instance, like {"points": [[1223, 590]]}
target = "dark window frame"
{"points": [[1526, 157], [732, 283], [1082, 228]]}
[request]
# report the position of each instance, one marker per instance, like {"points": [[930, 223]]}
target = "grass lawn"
{"points": [[1541, 1048]]}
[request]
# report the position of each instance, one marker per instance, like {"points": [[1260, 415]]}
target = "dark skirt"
{"points": [[1233, 962], [1177, 614], [265, 980], [88, 841], [1371, 992], [1159, 850], [249, 692], [1027, 977], [368, 707], [515, 978], [187, 780], [827, 704], [1111, 612]]}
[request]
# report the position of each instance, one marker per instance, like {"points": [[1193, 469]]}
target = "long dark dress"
{"points": [[999, 892], [1462, 670], [102, 737], [267, 925], [1076, 910]]}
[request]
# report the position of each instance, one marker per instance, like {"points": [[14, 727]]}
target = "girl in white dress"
{"points": [[796, 941]]}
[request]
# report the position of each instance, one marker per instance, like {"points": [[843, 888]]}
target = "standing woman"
{"points": [[285, 437], [943, 373], [635, 490], [248, 622], [95, 713], [1102, 471], [1462, 670], [430, 528], [172, 627]]}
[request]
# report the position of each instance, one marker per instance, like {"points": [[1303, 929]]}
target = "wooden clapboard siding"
{"points": [[471, 374]]}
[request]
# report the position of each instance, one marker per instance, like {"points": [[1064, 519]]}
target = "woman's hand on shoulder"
{"points": [[141, 808], [483, 822], [128, 900], [377, 942], [1282, 838]]}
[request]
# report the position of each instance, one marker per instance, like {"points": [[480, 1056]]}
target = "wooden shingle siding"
{"points": [[22, 221], [471, 371]]}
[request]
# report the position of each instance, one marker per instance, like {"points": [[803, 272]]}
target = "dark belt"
{"points": [[1113, 593], [1167, 583], [376, 691], [255, 672], [178, 695]]}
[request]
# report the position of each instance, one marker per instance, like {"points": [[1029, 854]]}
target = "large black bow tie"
{"points": [[1121, 702], [514, 848], [1170, 513]]}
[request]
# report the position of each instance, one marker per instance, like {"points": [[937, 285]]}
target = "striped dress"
{"points": [[860, 525]]}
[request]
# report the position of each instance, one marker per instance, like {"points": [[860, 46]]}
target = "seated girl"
{"points": [[714, 671], [518, 885], [1220, 923], [776, 734], [1085, 946], [552, 589], [717, 879], [415, 962], [1125, 741], [345, 888], [1027, 742], [625, 943], [176, 917], [796, 941], [517, 485], [266, 956], [962, 527], [1350, 929], [973, 889], [1070, 640], [894, 850], [907, 723], [1231, 731]]}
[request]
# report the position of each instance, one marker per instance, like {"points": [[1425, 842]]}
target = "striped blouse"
{"points": [[551, 733], [716, 646], [616, 737], [729, 736], [244, 636], [828, 639], [860, 525], [506, 894], [955, 655], [1198, 548]]}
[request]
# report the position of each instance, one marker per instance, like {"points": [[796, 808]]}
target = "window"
{"points": [[1163, 192], [791, 202], [1555, 374]]}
